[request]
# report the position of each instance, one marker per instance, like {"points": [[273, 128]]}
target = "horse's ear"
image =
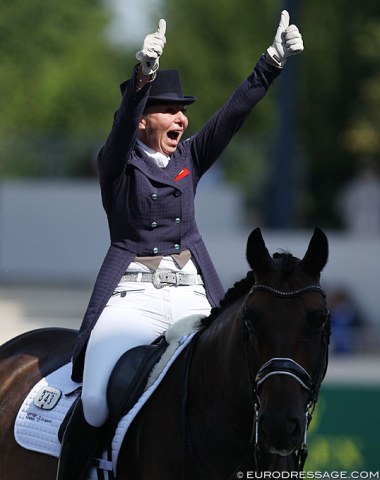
{"points": [[317, 253], [257, 253]]}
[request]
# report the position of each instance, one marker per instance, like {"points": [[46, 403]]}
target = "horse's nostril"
{"points": [[296, 428]]}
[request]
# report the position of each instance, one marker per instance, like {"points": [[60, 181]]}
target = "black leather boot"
{"points": [[79, 445]]}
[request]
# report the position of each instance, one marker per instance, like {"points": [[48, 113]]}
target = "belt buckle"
{"points": [[156, 280]]}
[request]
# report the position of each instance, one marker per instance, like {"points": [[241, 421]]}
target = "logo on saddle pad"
{"points": [[47, 398]]}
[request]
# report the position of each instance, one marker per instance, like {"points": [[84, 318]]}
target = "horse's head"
{"points": [[288, 328]]}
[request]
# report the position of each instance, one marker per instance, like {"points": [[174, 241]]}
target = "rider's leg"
{"points": [[120, 327], [79, 446], [126, 322], [135, 318]]}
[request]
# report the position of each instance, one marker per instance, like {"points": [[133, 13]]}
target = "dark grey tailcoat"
{"points": [[137, 194]]}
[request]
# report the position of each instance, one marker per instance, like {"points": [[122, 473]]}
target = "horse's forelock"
{"points": [[287, 261]]}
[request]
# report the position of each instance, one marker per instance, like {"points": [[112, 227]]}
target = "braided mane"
{"points": [[232, 294], [243, 286]]}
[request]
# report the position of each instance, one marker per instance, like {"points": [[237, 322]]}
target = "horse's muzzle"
{"points": [[281, 435]]}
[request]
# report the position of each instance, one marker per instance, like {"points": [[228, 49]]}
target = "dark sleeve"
{"points": [[208, 144], [114, 154]]}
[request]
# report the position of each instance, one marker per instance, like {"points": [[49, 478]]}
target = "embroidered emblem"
{"points": [[47, 398], [183, 173]]}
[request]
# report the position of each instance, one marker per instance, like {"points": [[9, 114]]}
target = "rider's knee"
{"points": [[95, 409]]}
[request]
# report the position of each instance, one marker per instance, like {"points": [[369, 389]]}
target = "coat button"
{"points": [[155, 250], [177, 193], [176, 246], [154, 196], [154, 224], [177, 220]]}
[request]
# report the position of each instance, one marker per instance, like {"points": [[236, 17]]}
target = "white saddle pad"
{"points": [[36, 427]]}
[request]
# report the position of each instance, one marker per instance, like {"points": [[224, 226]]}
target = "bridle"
{"points": [[274, 366], [287, 367]]}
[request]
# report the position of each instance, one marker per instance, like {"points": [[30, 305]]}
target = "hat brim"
{"points": [[188, 100]]}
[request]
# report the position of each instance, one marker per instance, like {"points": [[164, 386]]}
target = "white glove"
{"points": [[152, 49], [287, 42]]}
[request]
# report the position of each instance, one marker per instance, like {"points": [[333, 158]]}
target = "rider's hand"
{"points": [[152, 49], [287, 42]]}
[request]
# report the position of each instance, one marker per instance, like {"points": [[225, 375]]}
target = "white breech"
{"points": [[134, 318]]}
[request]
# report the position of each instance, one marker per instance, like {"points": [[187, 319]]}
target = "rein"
{"points": [[288, 367]]}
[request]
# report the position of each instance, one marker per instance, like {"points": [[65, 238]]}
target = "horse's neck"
{"points": [[219, 368], [222, 345], [220, 416]]}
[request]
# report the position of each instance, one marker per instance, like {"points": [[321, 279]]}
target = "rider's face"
{"points": [[162, 126]]}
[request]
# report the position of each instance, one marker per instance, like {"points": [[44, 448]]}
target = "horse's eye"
{"points": [[318, 318], [251, 317]]}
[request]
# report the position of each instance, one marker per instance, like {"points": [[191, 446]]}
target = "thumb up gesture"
{"points": [[287, 42], [152, 49]]}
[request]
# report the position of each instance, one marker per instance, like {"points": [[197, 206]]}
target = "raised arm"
{"points": [[210, 142], [121, 140]]}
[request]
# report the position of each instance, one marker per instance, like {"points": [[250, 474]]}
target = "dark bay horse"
{"points": [[238, 400]]}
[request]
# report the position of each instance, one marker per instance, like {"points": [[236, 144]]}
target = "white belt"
{"points": [[163, 278]]}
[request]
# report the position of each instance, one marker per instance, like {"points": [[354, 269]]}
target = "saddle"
{"points": [[134, 379], [127, 382], [129, 378]]}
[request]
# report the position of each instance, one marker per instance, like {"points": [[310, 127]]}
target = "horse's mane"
{"points": [[232, 294], [243, 286]]}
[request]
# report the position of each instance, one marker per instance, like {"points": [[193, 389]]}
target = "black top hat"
{"points": [[165, 88]]}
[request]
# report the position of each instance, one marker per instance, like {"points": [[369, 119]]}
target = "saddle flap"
{"points": [[129, 377]]}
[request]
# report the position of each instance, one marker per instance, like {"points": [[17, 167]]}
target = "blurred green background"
{"points": [[61, 67], [344, 434]]}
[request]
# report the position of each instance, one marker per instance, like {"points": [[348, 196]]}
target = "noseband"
{"points": [[287, 367]]}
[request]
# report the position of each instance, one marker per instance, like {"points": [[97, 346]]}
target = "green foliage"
{"points": [[59, 81], [339, 98]]}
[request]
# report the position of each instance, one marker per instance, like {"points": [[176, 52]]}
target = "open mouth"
{"points": [[174, 135]]}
